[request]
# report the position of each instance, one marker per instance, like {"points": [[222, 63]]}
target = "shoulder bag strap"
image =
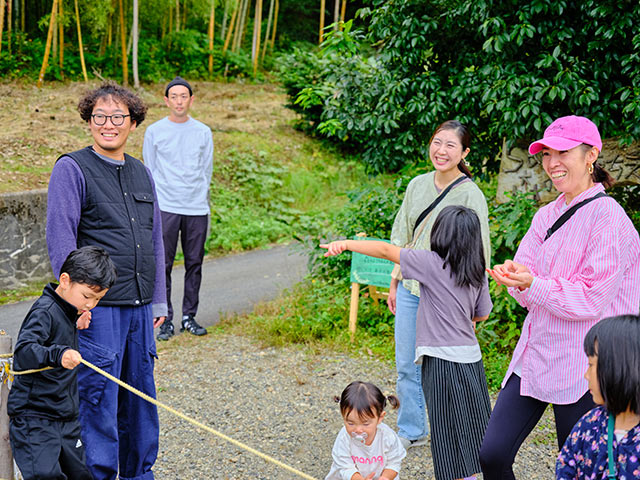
{"points": [[610, 434], [435, 203], [567, 215]]}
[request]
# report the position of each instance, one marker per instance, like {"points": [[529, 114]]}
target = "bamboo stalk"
{"points": [[321, 34], [123, 40], [343, 12], [80, 47], [177, 15], [275, 24], [266, 33], [212, 20], [2, 5], [336, 14], [22, 15], [225, 16], [47, 49], [61, 34], [234, 14], [9, 22], [257, 26], [236, 33]]}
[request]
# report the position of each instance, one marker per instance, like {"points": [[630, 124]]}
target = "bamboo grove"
{"points": [[145, 39]]}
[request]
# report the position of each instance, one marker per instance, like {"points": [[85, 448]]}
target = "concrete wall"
{"points": [[23, 249]]}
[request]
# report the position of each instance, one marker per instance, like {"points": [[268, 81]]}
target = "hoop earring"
{"points": [[590, 170]]}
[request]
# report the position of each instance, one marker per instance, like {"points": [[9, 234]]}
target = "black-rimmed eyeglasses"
{"points": [[116, 119]]}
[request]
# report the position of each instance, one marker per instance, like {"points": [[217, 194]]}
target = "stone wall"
{"points": [[23, 249], [520, 171]]}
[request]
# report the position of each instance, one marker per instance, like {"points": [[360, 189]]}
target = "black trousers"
{"points": [[193, 234], [48, 449], [512, 420]]}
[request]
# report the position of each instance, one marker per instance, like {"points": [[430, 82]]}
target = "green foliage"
{"points": [[250, 208], [504, 68]]}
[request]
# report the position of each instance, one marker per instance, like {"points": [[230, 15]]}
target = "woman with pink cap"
{"points": [[579, 262]]}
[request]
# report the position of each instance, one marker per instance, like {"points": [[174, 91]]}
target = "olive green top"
{"points": [[420, 192]]}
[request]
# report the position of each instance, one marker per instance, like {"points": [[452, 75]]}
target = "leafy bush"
{"points": [[505, 71]]}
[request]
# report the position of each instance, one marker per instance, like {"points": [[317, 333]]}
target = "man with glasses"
{"points": [[101, 196], [179, 152]]}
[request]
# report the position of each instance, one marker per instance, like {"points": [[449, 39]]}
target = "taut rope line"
{"points": [[178, 414]]}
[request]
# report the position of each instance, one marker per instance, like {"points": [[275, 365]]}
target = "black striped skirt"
{"points": [[459, 407]]}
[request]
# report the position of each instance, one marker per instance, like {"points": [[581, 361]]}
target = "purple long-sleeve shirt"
{"points": [[67, 190]]}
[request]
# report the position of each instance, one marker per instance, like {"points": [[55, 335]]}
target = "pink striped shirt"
{"points": [[587, 270]]}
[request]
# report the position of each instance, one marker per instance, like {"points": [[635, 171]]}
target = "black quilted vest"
{"points": [[117, 215]]}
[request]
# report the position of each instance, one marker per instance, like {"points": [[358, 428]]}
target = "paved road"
{"points": [[230, 284]]}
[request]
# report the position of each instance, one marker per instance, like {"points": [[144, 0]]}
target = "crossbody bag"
{"points": [[421, 221], [569, 213]]}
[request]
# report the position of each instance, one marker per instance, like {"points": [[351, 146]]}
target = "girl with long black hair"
{"points": [[454, 294]]}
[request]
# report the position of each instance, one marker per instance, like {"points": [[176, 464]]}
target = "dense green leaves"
{"points": [[505, 68]]}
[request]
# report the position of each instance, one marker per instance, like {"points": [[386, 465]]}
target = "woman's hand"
{"points": [[391, 299], [512, 274], [334, 248]]}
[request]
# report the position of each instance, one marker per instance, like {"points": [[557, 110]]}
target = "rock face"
{"points": [[23, 248], [521, 172]]}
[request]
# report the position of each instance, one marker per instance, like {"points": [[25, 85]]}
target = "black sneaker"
{"points": [[190, 325], [166, 331]]}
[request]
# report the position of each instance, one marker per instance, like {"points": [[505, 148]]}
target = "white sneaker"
{"points": [[407, 444]]}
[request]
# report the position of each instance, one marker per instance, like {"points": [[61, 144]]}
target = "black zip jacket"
{"points": [[47, 331]]}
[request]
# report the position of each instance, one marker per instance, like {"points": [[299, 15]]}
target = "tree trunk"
{"points": [[225, 16], [257, 35], [177, 15], [266, 33], [45, 60], [234, 14], [123, 40], [61, 33], [9, 22], [343, 12], [239, 21], [184, 15], [22, 15], [170, 19], [212, 21], [275, 24], [245, 25], [322, 6], [336, 14], [2, 5], [80, 47], [136, 79]]}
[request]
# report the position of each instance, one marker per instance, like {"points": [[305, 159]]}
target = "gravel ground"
{"points": [[280, 402]]}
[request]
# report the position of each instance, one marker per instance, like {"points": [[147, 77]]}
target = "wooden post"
{"points": [[353, 310], [6, 459]]}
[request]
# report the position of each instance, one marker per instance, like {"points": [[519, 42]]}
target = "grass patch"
{"points": [[314, 314], [30, 291]]}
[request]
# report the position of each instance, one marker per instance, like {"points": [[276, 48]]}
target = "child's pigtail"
{"points": [[336, 398], [393, 401]]}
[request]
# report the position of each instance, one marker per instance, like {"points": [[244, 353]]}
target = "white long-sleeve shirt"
{"points": [[180, 157], [351, 456]]}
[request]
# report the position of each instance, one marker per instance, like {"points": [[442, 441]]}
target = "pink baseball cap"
{"points": [[568, 132]]}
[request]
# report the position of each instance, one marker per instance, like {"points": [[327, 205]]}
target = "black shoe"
{"points": [[166, 331], [190, 325]]}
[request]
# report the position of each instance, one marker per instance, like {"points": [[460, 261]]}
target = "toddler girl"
{"points": [[605, 443], [365, 448], [454, 294]]}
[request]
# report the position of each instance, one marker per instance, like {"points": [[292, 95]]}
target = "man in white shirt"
{"points": [[179, 152]]}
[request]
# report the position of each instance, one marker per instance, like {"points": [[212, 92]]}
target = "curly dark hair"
{"points": [[137, 108]]}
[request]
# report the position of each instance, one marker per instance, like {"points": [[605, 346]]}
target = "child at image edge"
{"points": [[43, 407], [365, 449], [454, 294], [613, 348]]}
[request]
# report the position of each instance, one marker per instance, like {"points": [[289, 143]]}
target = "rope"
{"points": [[181, 415]]}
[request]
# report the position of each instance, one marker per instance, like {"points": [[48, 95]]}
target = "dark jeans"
{"points": [[193, 234], [512, 420]]}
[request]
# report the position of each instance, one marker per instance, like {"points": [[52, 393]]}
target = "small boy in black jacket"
{"points": [[43, 407]]}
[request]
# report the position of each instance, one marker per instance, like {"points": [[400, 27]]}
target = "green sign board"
{"points": [[367, 270]]}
